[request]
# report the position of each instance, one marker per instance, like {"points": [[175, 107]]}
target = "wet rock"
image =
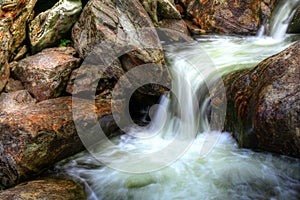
{"points": [[45, 75], [230, 16], [13, 85], [52, 25], [264, 104], [14, 101], [36, 137], [45, 188], [194, 30], [294, 26]]}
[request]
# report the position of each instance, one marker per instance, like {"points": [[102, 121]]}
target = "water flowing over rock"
{"points": [[45, 75], [14, 101], [49, 27], [45, 188], [263, 104], [36, 137], [294, 26], [229, 16]]}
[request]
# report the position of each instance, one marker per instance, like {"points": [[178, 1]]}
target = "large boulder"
{"points": [[45, 188], [45, 75], [35, 137], [229, 16], [47, 28], [264, 104]]}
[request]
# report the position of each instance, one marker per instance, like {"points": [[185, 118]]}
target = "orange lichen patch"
{"points": [[179, 8]]}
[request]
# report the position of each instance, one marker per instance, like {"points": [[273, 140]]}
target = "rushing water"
{"points": [[226, 172]]}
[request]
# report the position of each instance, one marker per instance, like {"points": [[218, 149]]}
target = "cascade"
{"points": [[206, 164]]}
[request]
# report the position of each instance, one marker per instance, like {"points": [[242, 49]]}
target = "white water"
{"points": [[227, 172], [284, 14]]}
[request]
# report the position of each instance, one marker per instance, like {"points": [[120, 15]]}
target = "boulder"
{"points": [[45, 75], [294, 26], [45, 188], [34, 138], [47, 28], [229, 16], [263, 104], [14, 101], [121, 30]]}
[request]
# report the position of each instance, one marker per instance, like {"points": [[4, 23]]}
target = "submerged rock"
{"points": [[34, 138], [264, 104], [50, 26], [45, 75], [229, 16], [45, 188]]}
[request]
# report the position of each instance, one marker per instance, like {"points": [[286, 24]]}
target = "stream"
{"points": [[178, 156]]}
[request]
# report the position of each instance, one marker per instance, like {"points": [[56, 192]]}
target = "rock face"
{"points": [[45, 188], [229, 16], [264, 104], [36, 137], [46, 74], [50, 26], [294, 26]]}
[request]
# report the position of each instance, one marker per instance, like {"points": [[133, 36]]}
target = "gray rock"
{"points": [[50, 26], [46, 74]]}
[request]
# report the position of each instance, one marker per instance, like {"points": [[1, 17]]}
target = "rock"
{"points": [[161, 9], [52, 25], [34, 138], [15, 15], [194, 30], [13, 85], [45, 75], [14, 101], [91, 76], [45, 188], [121, 30], [264, 104], [5, 46], [176, 25], [294, 26], [230, 16]]}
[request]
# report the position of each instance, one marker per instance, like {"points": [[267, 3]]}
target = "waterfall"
{"points": [[283, 15], [180, 131]]}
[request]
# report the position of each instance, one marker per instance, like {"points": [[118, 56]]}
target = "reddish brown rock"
{"points": [[35, 138], [230, 16], [45, 188], [263, 108], [45, 75]]}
